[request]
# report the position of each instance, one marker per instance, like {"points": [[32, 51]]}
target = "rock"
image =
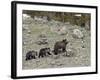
{"points": [[25, 27], [41, 19], [53, 63], [42, 36], [45, 19], [77, 34], [62, 30], [28, 31], [24, 43], [26, 16], [42, 39], [71, 52], [37, 18], [41, 42], [27, 19], [60, 64]]}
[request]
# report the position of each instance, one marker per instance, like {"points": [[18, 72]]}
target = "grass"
{"points": [[81, 58]]}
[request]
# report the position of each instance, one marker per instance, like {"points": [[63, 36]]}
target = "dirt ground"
{"points": [[80, 47]]}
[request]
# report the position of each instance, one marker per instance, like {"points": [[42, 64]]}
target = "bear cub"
{"points": [[31, 55]]}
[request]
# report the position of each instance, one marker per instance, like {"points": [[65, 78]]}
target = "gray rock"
{"points": [[24, 43], [25, 27], [77, 34], [41, 19], [71, 52], [28, 20], [53, 63], [42, 36], [28, 31], [41, 42], [62, 30]]}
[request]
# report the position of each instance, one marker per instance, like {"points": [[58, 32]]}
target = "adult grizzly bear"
{"points": [[60, 46], [44, 52]]}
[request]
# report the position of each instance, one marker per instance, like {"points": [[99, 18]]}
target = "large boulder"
{"points": [[77, 34]]}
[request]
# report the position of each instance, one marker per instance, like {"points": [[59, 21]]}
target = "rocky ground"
{"points": [[78, 37]]}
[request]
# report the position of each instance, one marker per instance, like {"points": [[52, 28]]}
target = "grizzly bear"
{"points": [[31, 55], [44, 52], [60, 46]]}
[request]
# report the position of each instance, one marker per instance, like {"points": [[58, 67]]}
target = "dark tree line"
{"points": [[82, 20]]}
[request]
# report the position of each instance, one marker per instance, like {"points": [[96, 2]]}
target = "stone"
{"points": [[41, 19], [71, 52], [27, 19], [24, 43], [77, 34], [53, 63], [62, 30], [24, 28], [29, 31]]}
